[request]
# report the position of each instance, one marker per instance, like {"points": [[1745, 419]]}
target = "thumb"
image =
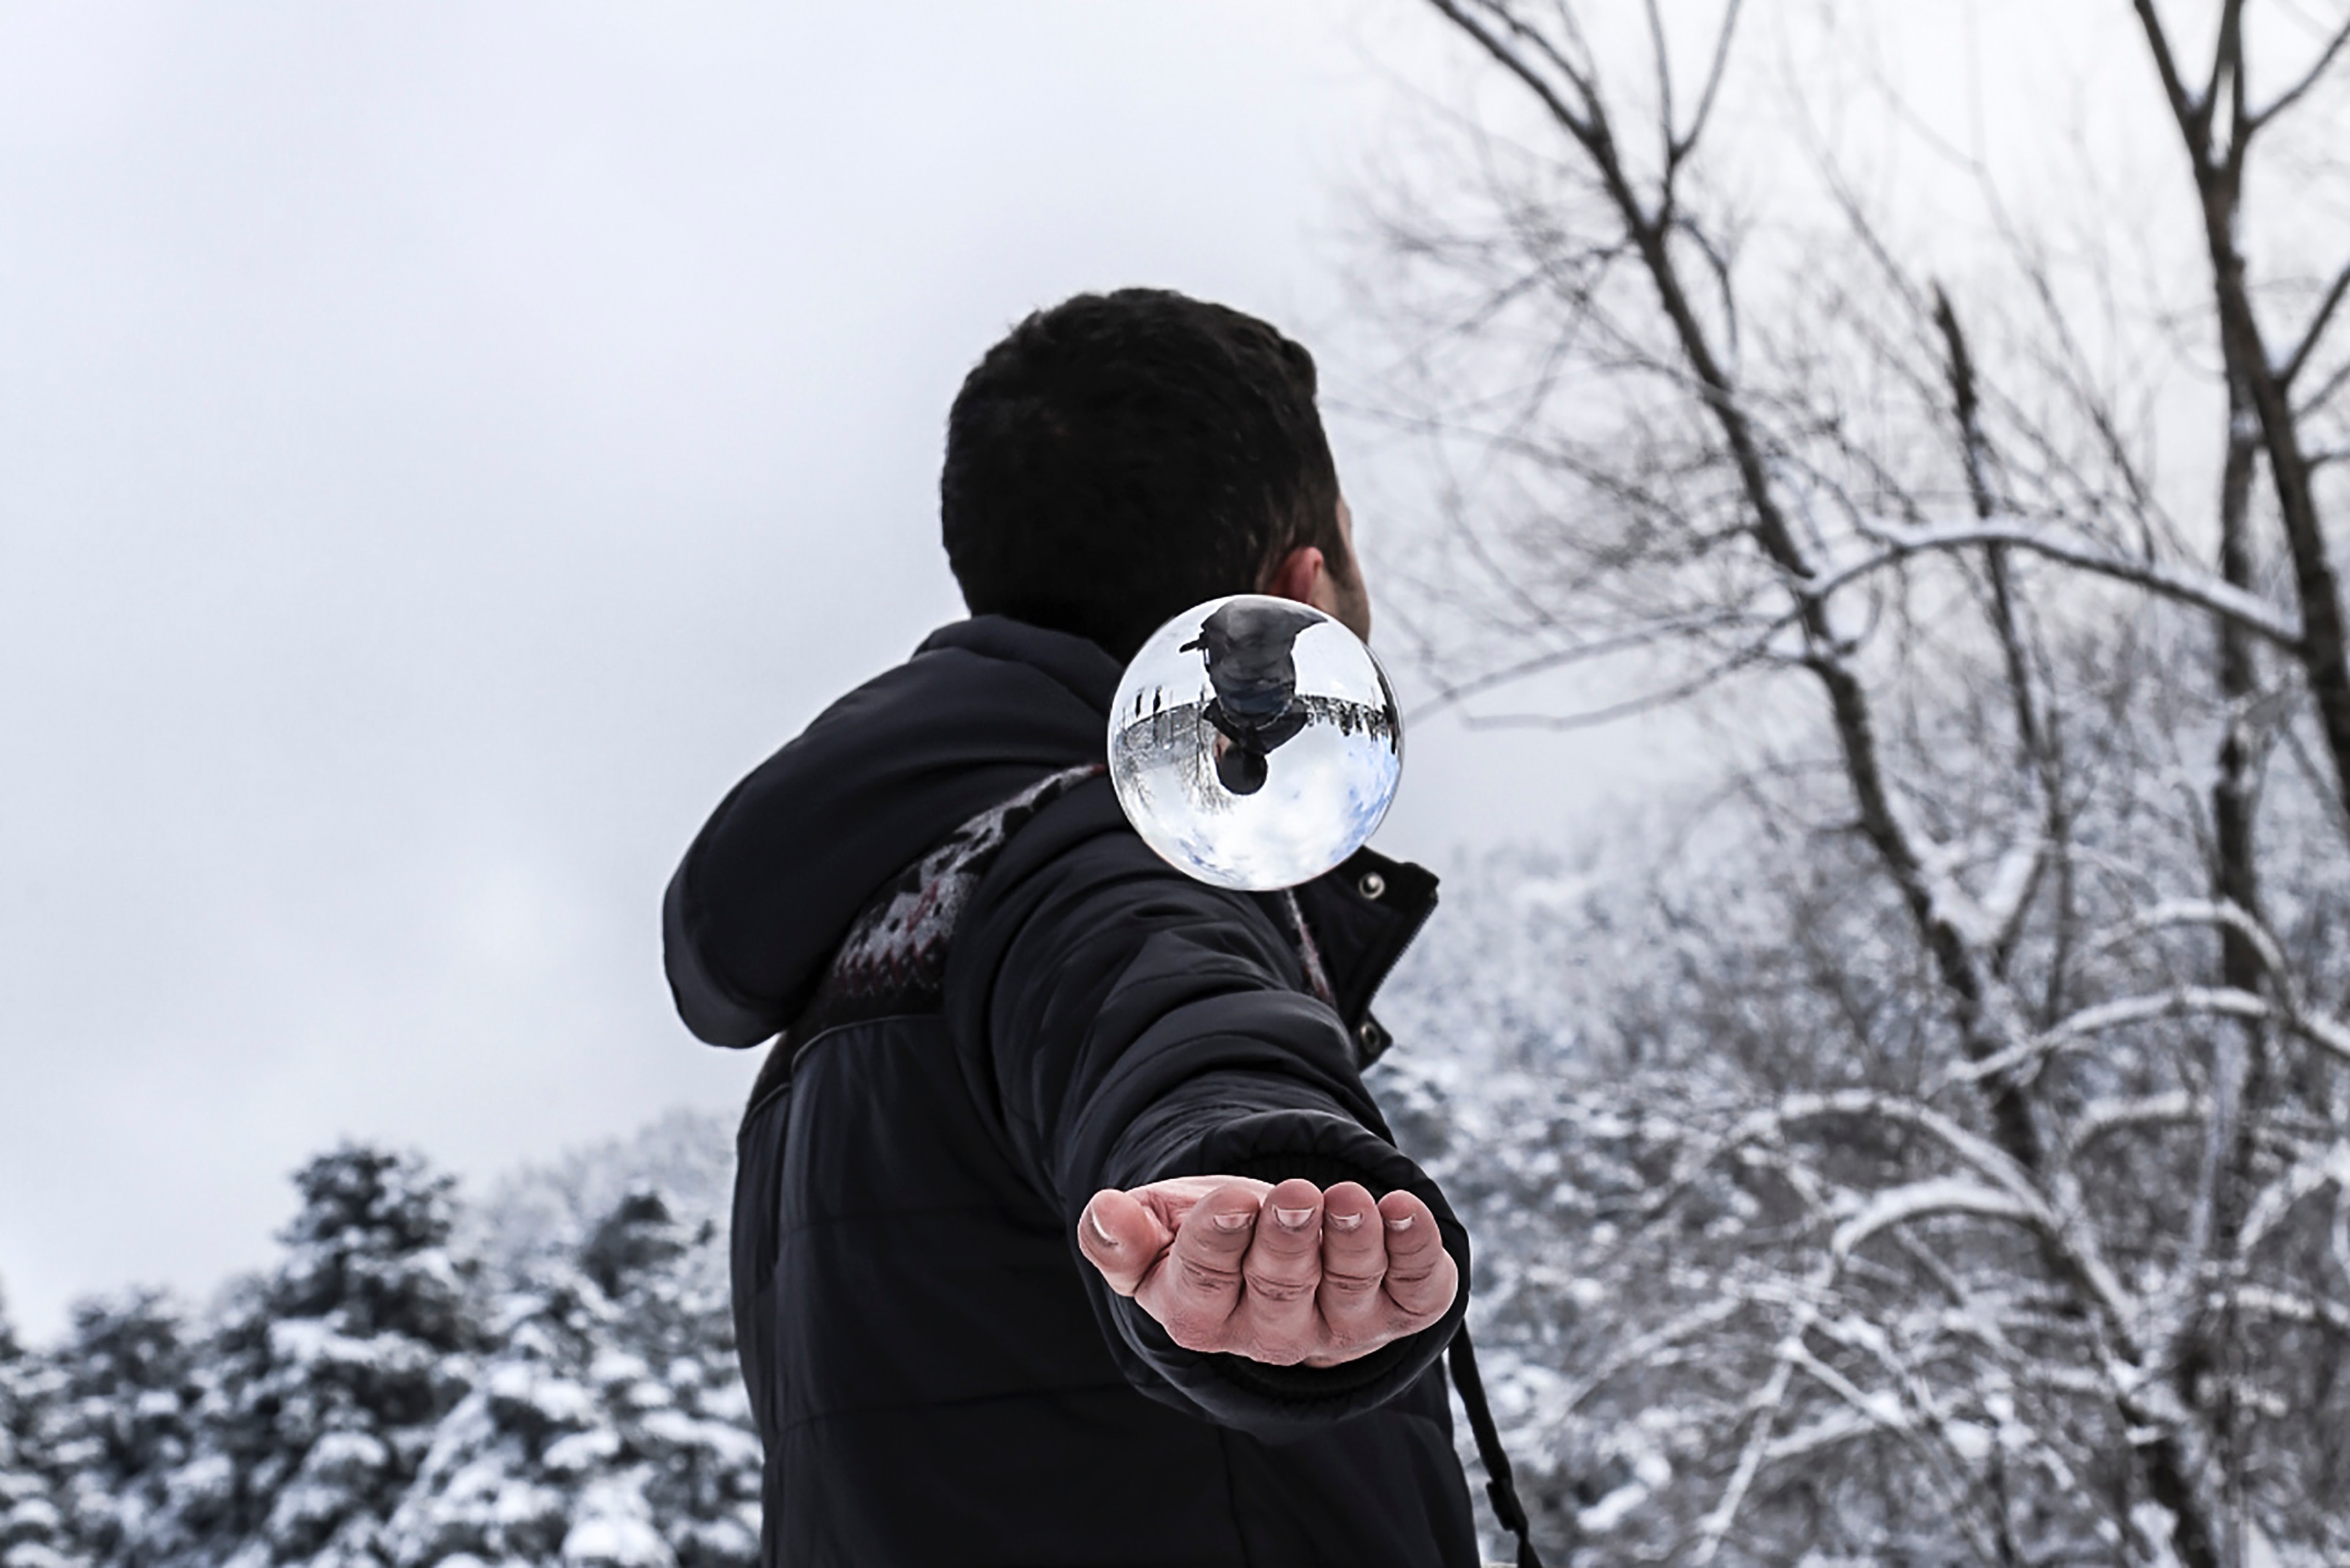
{"points": [[1121, 1238]]}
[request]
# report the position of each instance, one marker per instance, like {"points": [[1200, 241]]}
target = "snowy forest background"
{"points": [[1923, 1138]]}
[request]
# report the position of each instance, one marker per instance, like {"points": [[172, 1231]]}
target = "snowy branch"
{"points": [[2026, 1056], [2329, 1166], [2104, 1116], [1942, 1195], [2213, 594]]}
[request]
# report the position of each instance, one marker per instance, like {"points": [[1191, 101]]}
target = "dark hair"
{"points": [[1121, 457]]}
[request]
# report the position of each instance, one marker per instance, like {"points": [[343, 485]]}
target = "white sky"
{"points": [[442, 446]]}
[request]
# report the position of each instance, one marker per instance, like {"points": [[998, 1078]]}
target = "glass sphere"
{"points": [[1254, 742]]}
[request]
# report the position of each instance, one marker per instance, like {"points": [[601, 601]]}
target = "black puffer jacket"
{"points": [[939, 1376]]}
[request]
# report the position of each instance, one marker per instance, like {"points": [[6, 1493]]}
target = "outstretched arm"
{"points": [[1157, 1064]]}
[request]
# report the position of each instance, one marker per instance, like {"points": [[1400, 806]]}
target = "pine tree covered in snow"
{"points": [[33, 1526], [609, 1426], [122, 1425], [543, 1215], [321, 1383], [547, 1377], [506, 1464], [672, 1376]]}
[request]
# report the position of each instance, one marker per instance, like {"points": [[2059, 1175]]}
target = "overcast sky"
{"points": [[441, 447]]}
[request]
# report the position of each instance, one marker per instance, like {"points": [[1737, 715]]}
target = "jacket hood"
{"points": [[772, 881]]}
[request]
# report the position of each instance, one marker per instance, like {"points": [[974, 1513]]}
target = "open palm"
{"points": [[1283, 1273]]}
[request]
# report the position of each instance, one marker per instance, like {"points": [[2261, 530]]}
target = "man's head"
{"points": [[1121, 457], [1242, 770]]}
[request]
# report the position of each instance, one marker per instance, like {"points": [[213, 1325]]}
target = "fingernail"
{"points": [[1101, 1235], [1402, 1224], [1343, 1222], [1231, 1221], [1293, 1219]]}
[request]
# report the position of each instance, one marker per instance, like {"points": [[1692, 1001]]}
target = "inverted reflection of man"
{"points": [[1250, 646]]}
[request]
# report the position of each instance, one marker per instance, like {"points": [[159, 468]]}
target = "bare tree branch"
{"points": [[2309, 78], [1664, 63], [2310, 336], [1646, 635], [1680, 150], [1510, 60], [2234, 605], [2193, 112]]}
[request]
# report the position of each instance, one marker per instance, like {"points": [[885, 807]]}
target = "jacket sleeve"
{"points": [[711, 1008], [1131, 1024]]}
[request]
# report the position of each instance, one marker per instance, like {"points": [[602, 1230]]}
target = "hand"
{"points": [[1279, 1275]]}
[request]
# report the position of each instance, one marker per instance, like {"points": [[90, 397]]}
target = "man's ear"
{"points": [[1298, 576]]}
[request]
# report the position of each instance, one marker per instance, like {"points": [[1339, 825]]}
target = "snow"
{"points": [[202, 1484], [615, 1529], [619, 1541], [555, 1401], [32, 1554], [346, 1458], [582, 1453], [1609, 1511]]}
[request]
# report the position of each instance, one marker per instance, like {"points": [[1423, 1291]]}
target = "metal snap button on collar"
{"points": [[1371, 884]]}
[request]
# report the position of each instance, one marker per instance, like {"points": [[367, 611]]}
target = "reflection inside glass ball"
{"points": [[1254, 742]]}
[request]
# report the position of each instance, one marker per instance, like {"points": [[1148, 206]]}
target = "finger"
{"points": [[1354, 1264], [1121, 1237], [1421, 1279], [1283, 1269], [1197, 1285], [1173, 1199]]}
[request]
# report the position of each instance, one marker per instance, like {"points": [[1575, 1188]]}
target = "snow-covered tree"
{"points": [[1957, 1165], [1731, 1247], [324, 1378], [538, 1219], [369, 1402], [609, 1425], [34, 1529], [120, 1425], [670, 1373], [502, 1477]]}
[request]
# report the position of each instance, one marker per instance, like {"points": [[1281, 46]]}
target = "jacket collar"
{"points": [[1083, 666], [1363, 916]]}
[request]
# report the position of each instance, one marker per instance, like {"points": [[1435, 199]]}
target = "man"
{"points": [[1249, 647], [1065, 1232]]}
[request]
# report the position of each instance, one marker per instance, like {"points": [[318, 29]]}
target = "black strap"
{"points": [[1498, 1484]]}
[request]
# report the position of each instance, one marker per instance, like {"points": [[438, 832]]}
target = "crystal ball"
{"points": [[1254, 742]]}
